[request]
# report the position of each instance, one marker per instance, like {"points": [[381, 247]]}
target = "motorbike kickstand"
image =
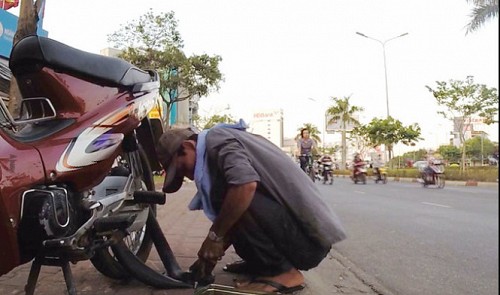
{"points": [[36, 265]]}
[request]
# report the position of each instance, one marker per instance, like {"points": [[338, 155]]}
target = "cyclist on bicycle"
{"points": [[305, 146]]}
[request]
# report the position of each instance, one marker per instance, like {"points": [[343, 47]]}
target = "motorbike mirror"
{"points": [[36, 109]]}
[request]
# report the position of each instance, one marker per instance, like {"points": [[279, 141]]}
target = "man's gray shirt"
{"points": [[238, 157]]}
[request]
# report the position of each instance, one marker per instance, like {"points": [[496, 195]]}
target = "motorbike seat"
{"points": [[35, 50]]}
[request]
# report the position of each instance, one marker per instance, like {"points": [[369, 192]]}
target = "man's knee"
{"points": [[309, 259]]}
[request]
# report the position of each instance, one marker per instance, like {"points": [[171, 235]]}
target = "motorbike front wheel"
{"points": [[363, 178], [330, 177], [440, 180], [138, 242]]}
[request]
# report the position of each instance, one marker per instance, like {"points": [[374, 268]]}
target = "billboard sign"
{"points": [[336, 125], [469, 124], [8, 27], [274, 114]]}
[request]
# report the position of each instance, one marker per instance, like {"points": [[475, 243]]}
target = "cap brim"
{"points": [[172, 182]]}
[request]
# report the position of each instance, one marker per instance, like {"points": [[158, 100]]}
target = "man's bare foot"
{"points": [[291, 280]]}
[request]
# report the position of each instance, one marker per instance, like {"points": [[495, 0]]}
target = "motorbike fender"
{"points": [[9, 253]]}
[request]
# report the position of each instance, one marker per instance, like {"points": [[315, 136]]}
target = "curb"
{"points": [[448, 182], [471, 183]]}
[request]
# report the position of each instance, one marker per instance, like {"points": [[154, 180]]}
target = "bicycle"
{"points": [[309, 168]]}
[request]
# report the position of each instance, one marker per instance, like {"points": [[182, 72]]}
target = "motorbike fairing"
{"points": [[20, 168]]}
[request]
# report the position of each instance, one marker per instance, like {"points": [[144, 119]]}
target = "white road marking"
{"points": [[360, 192], [434, 204]]}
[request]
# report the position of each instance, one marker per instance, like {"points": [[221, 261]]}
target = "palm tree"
{"points": [[343, 112], [483, 10]]}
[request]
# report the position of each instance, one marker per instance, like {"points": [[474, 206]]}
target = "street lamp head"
{"points": [[361, 34], [403, 34]]}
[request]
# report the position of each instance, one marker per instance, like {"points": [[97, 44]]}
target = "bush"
{"points": [[482, 174]]}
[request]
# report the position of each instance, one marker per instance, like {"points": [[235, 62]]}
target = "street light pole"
{"points": [[385, 64], [385, 69], [324, 124]]}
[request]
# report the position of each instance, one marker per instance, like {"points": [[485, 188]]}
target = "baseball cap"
{"points": [[167, 148]]}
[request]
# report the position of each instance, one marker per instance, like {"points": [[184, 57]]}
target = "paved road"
{"points": [[417, 240]]}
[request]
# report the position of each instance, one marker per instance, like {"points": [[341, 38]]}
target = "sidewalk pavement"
{"points": [[185, 231]]}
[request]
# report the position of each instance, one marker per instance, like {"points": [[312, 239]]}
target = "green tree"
{"points": [[418, 155], [153, 42], [358, 142], [330, 150], [482, 11], [209, 122], [449, 153], [461, 100], [313, 134], [479, 148], [389, 132], [342, 111]]}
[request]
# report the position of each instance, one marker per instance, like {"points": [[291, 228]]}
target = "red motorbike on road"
{"points": [[359, 172], [76, 166]]}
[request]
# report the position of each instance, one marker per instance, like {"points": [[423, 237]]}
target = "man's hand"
{"points": [[201, 272], [211, 250]]}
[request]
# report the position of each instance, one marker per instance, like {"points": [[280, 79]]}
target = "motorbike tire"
{"points": [[104, 260], [440, 180], [151, 275], [331, 178], [363, 178], [384, 179]]}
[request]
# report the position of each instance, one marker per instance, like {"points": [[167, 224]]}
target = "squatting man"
{"points": [[259, 201]]}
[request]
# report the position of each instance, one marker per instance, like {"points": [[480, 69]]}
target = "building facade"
{"points": [[470, 127], [269, 124]]}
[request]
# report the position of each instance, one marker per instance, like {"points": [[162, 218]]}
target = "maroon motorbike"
{"points": [[76, 166], [359, 172]]}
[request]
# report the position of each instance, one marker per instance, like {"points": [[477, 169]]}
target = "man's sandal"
{"points": [[279, 288]]}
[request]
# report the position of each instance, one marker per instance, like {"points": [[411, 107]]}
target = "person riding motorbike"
{"points": [[357, 163], [377, 164], [429, 171], [325, 164]]}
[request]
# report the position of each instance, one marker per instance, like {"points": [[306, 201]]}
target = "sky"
{"points": [[296, 55]]}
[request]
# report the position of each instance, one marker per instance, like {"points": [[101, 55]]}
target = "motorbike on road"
{"points": [[380, 175], [325, 171], [76, 166], [432, 175], [360, 173]]}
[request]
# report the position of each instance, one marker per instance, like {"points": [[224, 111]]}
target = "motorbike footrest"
{"points": [[109, 223], [149, 197]]}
